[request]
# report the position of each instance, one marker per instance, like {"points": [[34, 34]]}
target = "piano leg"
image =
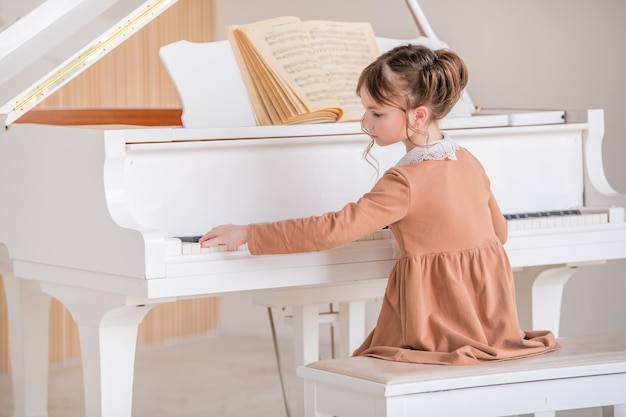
{"points": [[28, 311], [547, 296], [351, 326], [107, 326]]}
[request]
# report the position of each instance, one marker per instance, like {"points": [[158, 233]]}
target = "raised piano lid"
{"points": [[57, 40]]}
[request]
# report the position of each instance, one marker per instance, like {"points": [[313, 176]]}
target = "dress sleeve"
{"points": [[387, 202]]}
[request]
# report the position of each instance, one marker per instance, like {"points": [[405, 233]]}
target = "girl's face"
{"points": [[385, 124]]}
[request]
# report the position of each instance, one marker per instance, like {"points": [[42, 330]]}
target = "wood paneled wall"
{"points": [[132, 76]]}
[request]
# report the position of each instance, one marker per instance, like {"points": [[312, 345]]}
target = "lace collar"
{"points": [[435, 151]]}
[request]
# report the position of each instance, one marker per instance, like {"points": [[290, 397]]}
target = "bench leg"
{"points": [[306, 343], [310, 400]]}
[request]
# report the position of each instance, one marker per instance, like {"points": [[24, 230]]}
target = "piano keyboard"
{"points": [[189, 245], [551, 219]]}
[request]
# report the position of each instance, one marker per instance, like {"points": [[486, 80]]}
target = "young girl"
{"points": [[450, 296]]}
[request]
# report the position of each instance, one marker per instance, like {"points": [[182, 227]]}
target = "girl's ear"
{"points": [[419, 116]]}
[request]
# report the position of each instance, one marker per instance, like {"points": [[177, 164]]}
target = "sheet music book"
{"points": [[303, 71]]}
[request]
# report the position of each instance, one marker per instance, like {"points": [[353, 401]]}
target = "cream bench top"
{"points": [[578, 357], [589, 371]]}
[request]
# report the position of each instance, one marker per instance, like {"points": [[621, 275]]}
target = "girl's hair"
{"points": [[415, 75], [410, 76]]}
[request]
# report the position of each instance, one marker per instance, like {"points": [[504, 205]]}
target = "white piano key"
{"points": [[210, 249], [186, 248], [595, 218], [559, 221]]}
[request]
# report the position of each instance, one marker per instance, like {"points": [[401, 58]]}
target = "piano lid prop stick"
{"points": [[420, 19]]}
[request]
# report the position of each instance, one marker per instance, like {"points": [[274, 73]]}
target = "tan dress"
{"points": [[450, 298]]}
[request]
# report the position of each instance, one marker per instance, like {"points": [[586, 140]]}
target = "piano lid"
{"points": [[57, 40]]}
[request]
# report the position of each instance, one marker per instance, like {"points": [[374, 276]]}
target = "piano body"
{"points": [[90, 213]]}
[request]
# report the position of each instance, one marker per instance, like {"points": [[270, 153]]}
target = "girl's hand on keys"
{"points": [[226, 234]]}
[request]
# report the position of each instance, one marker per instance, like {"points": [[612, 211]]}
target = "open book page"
{"points": [[273, 97], [243, 55], [344, 49], [287, 69]]}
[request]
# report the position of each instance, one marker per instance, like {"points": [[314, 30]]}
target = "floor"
{"points": [[215, 376], [209, 377]]}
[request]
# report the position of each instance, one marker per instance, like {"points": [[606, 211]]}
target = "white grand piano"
{"points": [[89, 214]]}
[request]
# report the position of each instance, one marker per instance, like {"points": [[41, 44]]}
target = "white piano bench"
{"points": [[589, 371]]}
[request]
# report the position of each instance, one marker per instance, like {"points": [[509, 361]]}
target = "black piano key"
{"points": [[573, 212], [190, 239]]}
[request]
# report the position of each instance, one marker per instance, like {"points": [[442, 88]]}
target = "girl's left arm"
{"points": [[387, 202]]}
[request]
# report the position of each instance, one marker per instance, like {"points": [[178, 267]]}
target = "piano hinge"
{"points": [[87, 56]]}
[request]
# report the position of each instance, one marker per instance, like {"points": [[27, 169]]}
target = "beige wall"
{"points": [[533, 53]]}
